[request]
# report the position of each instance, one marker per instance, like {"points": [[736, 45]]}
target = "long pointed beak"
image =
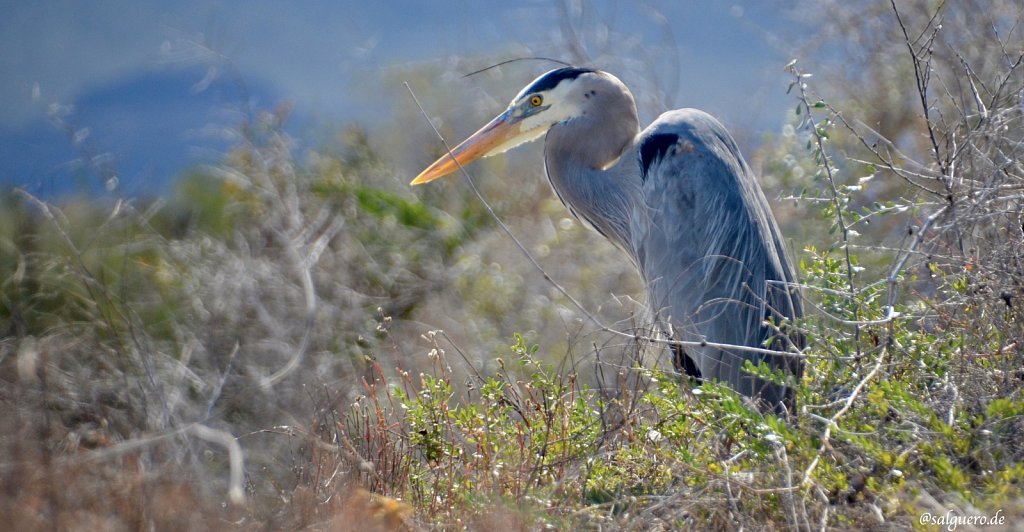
{"points": [[484, 142]]}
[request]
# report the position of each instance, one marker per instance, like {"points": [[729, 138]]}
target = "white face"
{"points": [[554, 98], [536, 112]]}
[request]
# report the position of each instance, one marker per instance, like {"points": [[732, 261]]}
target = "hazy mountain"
{"points": [[147, 128]]}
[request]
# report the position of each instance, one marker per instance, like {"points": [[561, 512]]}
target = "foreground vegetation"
{"points": [[296, 340]]}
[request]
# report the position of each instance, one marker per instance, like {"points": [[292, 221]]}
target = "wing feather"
{"points": [[711, 252]]}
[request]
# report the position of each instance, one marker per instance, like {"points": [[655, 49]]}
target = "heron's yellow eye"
{"points": [[536, 100]]}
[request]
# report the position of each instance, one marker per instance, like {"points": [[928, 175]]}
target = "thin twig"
{"points": [[836, 203], [235, 458], [833, 422]]}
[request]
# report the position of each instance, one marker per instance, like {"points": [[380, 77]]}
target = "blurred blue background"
{"points": [[149, 89]]}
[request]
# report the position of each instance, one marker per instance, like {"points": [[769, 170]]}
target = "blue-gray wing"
{"points": [[711, 253]]}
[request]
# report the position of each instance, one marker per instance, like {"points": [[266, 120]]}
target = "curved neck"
{"points": [[587, 160]]}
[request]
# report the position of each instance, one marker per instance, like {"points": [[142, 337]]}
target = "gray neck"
{"points": [[588, 163]]}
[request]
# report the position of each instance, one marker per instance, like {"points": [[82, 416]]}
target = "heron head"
{"points": [[552, 98]]}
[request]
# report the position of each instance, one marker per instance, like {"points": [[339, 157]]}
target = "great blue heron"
{"points": [[680, 200]]}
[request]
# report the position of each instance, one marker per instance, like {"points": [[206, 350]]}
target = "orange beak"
{"points": [[490, 139]]}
